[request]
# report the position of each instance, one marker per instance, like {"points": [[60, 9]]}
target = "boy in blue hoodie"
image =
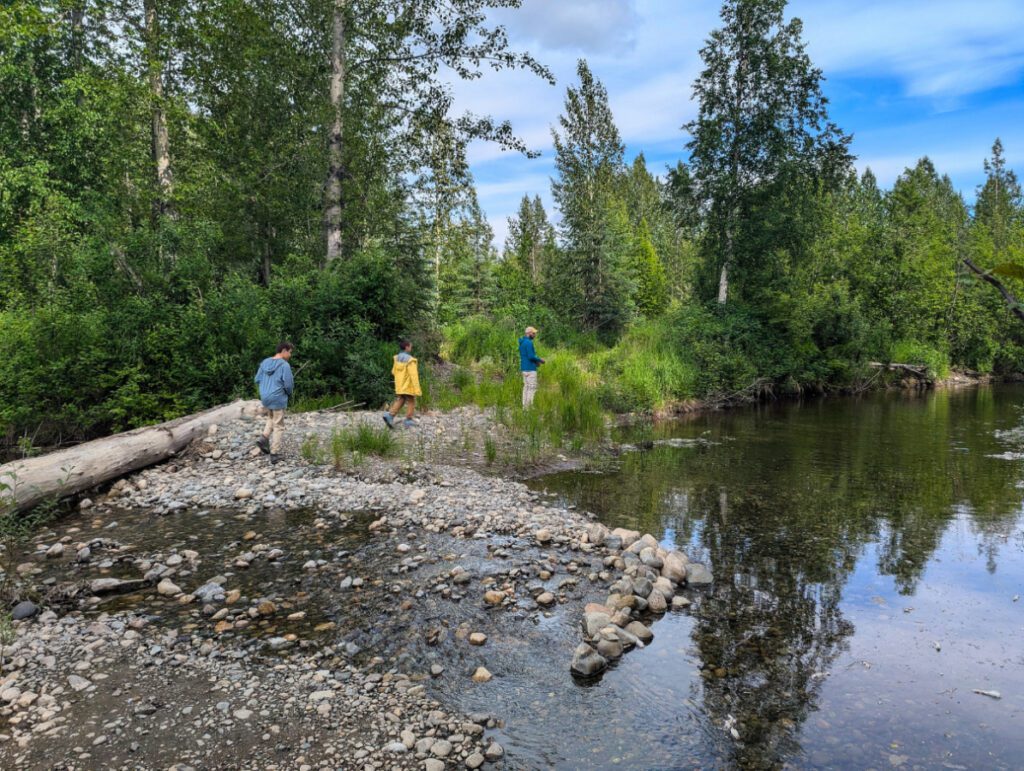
{"points": [[274, 378]]}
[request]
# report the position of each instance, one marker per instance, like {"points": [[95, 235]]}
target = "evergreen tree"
{"points": [[590, 281], [530, 242], [651, 297], [761, 137]]}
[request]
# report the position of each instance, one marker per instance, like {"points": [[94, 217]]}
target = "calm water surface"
{"points": [[869, 559]]}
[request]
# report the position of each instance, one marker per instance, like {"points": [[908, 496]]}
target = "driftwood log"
{"points": [[66, 472], [917, 370]]}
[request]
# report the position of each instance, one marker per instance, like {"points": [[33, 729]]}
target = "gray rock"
{"points": [[649, 557], [475, 760], [494, 752], [396, 748], [24, 609], [594, 623], [442, 748], [587, 662], [641, 632], [698, 575], [609, 645], [642, 587], [674, 567], [656, 603], [433, 764], [209, 592], [78, 683]]}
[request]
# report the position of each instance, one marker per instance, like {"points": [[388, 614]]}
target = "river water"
{"points": [[869, 562]]}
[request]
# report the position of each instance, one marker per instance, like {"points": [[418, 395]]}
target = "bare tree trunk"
{"points": [[161, 144], [723, 284], [335, 173], [78, 44], [1008, 297]]}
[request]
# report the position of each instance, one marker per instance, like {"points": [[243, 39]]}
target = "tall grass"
{"points": [[644, 371], [360, 440]]}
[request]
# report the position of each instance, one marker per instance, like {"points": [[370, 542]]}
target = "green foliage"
{"points": [[313, 450], [915, 352], [361, 440]]}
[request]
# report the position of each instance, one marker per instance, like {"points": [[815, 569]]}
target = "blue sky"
{"points": [[907, 78]]}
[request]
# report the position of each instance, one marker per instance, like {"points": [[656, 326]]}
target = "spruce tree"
{"points": [[590, 281]]}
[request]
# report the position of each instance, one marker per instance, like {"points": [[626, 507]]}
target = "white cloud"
{"points": [[934, 48], [582, 26]]}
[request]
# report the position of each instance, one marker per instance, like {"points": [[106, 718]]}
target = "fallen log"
{"points": [[917, 370], [29, 482]]}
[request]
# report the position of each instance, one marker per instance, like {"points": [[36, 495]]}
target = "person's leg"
{"points": [[397, 406], [276, 431], [410, 402], [529, 388], [264, 441]]}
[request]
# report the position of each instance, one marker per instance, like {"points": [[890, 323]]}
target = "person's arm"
{"points": [[533, 355], [287, 381]]}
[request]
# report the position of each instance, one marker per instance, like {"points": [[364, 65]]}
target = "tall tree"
{"points": [[762, 122], [531, 239], [591, 279], [401, 48]]}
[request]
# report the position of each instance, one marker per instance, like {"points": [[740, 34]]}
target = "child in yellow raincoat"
{"points": [[407, 385]]}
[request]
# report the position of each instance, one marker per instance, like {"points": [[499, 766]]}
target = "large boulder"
{"points": [[674, 567], [628, 537], [594, 623]]}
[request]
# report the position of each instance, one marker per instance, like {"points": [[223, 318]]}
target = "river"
{"points": [[869, 562]]}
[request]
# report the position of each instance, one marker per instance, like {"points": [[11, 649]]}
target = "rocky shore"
{"points": [[217, 611]]}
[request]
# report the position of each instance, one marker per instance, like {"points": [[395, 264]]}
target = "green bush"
{"points": [[914, 352]]}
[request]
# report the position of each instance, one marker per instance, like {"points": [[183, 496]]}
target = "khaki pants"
{"points": [[274, 429], [529, 388], [408, 401]]}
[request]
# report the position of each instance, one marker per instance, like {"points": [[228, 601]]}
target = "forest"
{"points": [[184, 183]]}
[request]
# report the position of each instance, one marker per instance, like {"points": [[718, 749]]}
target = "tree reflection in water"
{"points": [[783, 502]]}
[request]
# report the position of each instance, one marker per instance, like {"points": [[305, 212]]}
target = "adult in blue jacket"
{"points": [[528, 363], [274, 378]]}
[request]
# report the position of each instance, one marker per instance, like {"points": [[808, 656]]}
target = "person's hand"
{"points": [[542, 361]]}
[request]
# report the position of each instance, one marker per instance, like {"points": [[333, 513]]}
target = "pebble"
{"points": [[481, 675]]}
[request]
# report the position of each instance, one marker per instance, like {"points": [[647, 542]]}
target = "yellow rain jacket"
{"points": [[407, 377]]}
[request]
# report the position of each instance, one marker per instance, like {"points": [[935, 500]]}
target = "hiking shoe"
{"points": [[275, 459], [264, 444], [389, 419], [409, 423]]}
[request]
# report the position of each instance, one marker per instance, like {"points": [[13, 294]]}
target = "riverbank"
{"points": [[220, 611]]}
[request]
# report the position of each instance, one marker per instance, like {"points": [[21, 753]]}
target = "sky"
{"points": [[906, 78]]}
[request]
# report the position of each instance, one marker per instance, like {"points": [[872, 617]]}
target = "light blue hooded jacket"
{"points": [[276, 384]]}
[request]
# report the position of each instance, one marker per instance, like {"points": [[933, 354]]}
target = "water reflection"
{"points": [[786, 502]]}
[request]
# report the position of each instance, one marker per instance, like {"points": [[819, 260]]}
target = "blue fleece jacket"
{"points": [[528, 358], [276, 384]]}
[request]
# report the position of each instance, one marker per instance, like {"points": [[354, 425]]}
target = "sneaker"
{"points": [[409, 423], [389, 419], [264, 444], [275, 459]]}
